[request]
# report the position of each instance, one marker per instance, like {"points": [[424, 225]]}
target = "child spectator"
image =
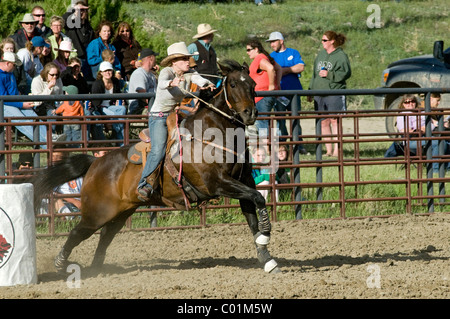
{"points": [[261, 176], [71, 108]]}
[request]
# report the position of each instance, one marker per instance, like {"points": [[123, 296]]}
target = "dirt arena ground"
{"points": [[374, 258], [397, 257]]}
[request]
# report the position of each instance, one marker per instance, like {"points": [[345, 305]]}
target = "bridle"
{"points": [[234, 118]]}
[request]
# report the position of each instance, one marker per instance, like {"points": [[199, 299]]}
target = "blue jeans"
{"points": [[434, 150], [11, 111], [115, 110], [265, 105], [158, 134], [73, 132]]}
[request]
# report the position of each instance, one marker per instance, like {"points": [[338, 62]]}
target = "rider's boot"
{"points": [[147, 188]]}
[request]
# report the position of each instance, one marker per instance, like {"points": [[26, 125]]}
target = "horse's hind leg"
{"points": [[261, 241], [76, 236], [107, 234]]}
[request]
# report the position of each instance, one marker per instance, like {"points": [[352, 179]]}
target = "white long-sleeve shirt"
{"points": [[167, 97]]}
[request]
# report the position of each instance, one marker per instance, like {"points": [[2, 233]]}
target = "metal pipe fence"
{"points": [[349, 186]]}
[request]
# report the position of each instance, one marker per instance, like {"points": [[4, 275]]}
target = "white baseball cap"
{"points": [[274, 36], [11, 57], [104, 66]]}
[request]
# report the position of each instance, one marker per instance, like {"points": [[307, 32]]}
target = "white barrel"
{"points": [[17, 235]]}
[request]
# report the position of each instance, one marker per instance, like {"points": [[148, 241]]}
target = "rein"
{"points": [[233, 119]]}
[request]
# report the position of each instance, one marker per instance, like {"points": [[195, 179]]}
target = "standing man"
{"points": [[27, 31], [39, 15], [292, 66], [206, 59], [78, 28], [143, 80]]}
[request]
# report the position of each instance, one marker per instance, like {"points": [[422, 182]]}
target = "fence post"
{"points": [[295, 108], [2, 142], [429, 150]]}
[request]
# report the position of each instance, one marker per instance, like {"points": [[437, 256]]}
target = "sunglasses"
{"points": [[409, 101], [29, 23], [39, 15], [325, 40], [248, 50]]}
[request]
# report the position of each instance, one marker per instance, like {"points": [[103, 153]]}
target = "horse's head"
{"points": [[239, 90]]}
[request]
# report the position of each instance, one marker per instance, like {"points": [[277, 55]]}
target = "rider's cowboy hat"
{"points": [[28, 18], [176, 50], [203, 29], [66, 45]]}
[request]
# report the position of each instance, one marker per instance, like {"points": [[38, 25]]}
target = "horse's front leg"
{"points": [[251, 201]]}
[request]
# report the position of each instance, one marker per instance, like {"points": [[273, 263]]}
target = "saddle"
{"points": [[137, 154]]}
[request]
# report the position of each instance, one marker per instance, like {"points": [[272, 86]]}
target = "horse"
{"points": [[108, 194]]}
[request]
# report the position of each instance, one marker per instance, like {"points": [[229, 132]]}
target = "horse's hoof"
{"points": [[271, 267]]}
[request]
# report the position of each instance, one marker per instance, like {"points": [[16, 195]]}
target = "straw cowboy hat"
{"points": [[203, 29], [66, 45], [28, 17], [176, 50]]}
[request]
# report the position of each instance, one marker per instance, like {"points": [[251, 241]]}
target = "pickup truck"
{"points": [[426, 71]]}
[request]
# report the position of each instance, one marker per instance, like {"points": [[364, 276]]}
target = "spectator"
{"points": [[261, 176], [127, 49], [8, 86], [39, 15], [168, 96], [46, 55], [47, 83], [78, 28], [267, 75], [206, 59], [331, 70], [64, 51], [71, 108], [102, 42], [282, 174], [30, 57], [57, 24], [24, 165], [107, 83], [109, 56], [8, 44], [143, 80], [27, 31], [72, 76], [292, 66], [412, 122]]}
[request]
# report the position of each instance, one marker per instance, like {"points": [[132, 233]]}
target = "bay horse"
{"points": [[108, 194]]}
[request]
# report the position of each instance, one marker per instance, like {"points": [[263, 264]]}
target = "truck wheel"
{"points": [[391, 121]]}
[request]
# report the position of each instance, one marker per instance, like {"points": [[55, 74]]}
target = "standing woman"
{"points": [[172, 82], [107, 83], [331, 71], [102, 42], [267, 75], [127, 49]]}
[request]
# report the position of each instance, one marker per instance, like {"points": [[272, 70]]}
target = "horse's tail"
{"points": [[63, 171]]}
